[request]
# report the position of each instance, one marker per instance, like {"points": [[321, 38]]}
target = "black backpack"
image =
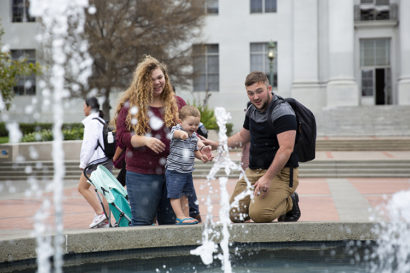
{"points": [[305, 145], [109, 139]]}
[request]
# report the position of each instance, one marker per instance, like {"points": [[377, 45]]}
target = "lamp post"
{"points": [[271, 57]]}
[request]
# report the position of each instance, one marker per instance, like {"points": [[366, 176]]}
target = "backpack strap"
{"points": [[98, 141], [291, 177], [101, 121], [271, 107], [248, 106]]}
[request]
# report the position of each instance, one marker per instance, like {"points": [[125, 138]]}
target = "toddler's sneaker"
{"points": [[98, 219]]}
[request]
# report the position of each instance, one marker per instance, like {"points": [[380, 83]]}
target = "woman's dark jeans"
{"points": [[147, 194]]}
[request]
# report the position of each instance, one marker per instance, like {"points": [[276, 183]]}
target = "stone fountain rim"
{"points": [[22, 248]]}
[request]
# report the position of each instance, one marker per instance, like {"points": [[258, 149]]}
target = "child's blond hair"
{"points": [[189, 110]]}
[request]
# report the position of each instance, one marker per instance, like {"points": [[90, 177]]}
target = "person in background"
{"points": [[119, 163], [193, 199], [92, 154]]}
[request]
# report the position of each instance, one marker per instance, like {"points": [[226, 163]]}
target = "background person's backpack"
{"points": [[109, 139], [305, 145], [202, 130]]}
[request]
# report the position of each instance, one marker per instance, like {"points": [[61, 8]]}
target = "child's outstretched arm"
{"points": [[205, 150], [201, 156], [180, 134]]}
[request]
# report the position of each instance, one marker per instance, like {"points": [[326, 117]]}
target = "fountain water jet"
{"points": [[221, 161], [393, 251], [57, 17]]}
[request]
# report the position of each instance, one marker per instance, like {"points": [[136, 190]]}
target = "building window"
{"points": [[20, 11], [206, 67], [26, 85], [374, 52], [261, 62], [375, 69], [375, 10], [211, 7], [263, 6]]}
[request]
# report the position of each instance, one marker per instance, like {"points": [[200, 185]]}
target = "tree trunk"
{"points": [[106, 107]]}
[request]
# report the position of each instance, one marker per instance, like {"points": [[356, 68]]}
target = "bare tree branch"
{"points": [[121, 32]]}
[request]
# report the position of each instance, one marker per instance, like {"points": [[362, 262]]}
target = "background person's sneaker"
{"points": [[294, 214], [104, 224], [98, 219]]}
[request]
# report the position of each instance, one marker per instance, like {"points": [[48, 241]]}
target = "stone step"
{"points": [[388, 144], [236, 175], [316, 168], [322, 144], [327, 175], [379, 120], [199, 165]]}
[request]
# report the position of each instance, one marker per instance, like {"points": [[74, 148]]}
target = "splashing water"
{"points": [[211, 233], [57, 16], [393, 251]]}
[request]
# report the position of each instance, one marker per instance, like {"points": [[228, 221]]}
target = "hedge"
{"points": [[3, 130], [47, 135], [27, 128], [209, 120]]}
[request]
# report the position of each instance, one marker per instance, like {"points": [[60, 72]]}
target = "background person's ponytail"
{"points": [[95, 105]]}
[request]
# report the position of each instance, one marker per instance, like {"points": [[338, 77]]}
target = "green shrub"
{"points": [[4, 139], [43, 135], [47, 135], [33, 131], [3, 130], [229, 129], [27, 128], [70, 126], [208, 117], [73, 134], [209, 120]]}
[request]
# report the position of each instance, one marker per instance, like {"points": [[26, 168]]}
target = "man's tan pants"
{"points": [[277, 200]]}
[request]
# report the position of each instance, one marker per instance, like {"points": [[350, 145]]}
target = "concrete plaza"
{"points": [[321, 199]]}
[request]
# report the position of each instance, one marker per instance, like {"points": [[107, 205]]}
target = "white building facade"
{"points": [[328, 53]]}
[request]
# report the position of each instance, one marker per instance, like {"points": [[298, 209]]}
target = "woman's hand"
{"points": [[156, 145], [118, 152]]}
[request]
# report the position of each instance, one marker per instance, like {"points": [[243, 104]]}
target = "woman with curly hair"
{"points": [[143, 118]]}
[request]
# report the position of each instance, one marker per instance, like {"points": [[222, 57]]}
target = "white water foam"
{"points": [[57, 16], [392, 253], [211, 231]]}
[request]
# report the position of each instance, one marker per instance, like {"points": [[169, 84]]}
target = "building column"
{"points": [[341, 88], [404, 53], [305, 84]]}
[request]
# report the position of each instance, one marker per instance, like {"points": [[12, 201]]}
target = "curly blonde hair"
{"points": [[139, 94]]}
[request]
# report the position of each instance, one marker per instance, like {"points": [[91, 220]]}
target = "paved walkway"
{"points": [[321, 199]]}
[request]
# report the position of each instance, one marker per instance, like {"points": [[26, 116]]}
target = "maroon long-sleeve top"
{"points": [[142, 159]]}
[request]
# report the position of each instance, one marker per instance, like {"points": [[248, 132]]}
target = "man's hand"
{"points": [[206, 141], [262, 187]]}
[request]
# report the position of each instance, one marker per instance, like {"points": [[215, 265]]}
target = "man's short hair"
{"points": [[189, 110], [255, 77]]}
